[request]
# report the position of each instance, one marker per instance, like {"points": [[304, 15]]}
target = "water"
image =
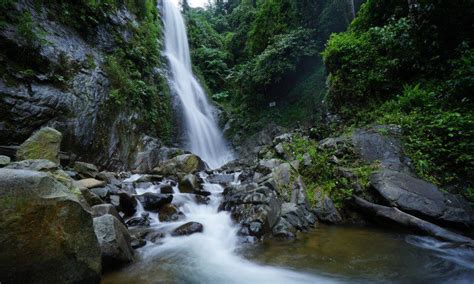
{"points": [[328, 254], [203, 136]]}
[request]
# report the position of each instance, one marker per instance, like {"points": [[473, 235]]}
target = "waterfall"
{"points": [[203, 136]]}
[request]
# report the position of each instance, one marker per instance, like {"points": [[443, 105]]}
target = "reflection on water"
{"points": [[362, 254], [344, 254]]}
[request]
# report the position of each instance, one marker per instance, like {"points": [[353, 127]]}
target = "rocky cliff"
{"points": [[91, 69]]}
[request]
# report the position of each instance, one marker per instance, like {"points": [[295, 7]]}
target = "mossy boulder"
{"points": [[43, 144], [47, 236], [4, 160], [181, 165]]}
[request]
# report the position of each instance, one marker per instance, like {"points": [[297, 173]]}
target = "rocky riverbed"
{"points": [[71, 223]]}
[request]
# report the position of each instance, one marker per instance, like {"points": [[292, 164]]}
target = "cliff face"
{"points": [[91, 70]]}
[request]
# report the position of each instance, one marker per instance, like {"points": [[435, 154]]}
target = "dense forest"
{"points": [[236, 141]]}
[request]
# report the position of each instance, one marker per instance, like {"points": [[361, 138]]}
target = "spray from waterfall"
{"points": [[202, 134]]}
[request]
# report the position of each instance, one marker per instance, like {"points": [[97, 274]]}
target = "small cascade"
{"points": [[203, 136]]}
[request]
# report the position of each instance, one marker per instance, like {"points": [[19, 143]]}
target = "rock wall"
{"points": [[53, 73]]}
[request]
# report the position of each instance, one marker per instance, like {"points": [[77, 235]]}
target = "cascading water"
{"points": [[203, 135]]}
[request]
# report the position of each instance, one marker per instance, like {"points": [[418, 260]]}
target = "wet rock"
{"points": [[183, 164], [137, 243], [249, 203], [202, 192], [223, 179], [127, 204], [142, 221], [154, 201], [4, 160], [169, 213], [38, 212], [85, 170], [284, 230], [91, 183], [33, 165], [43, 144], [409, 221], [200, 199], [166, 189], [266, 166], [151, 153], [114, 241], [188, 229], [421, 198], [188, 184], [149, 178]]}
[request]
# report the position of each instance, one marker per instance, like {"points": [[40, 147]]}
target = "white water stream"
{"points": [[203, 136]]}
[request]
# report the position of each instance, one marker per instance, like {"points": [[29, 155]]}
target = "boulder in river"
{"points": [[4, 160], [325, 210], [104, 209], [421, 198], [43, 144], [188, 229], [114, 241], [169, 213], [154, 201], [46, 235], [188, 184], [91, 183], [181, 165]]}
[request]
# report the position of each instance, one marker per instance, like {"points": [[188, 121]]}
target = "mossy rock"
{"points": [[47, 236], [43, 144]]}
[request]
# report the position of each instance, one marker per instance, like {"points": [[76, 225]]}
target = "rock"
{"points": [[4, 160], [38, 212], [409, 221], [151, 153], [104, 209], [90, 197], [33, 165], [200, 199], [249, 203], [266, 166], [86, 170], [169, 213], [283, 138], [149, 178], [91, 183], [298, 216], [150, 234], [188, 229], [154, 201], [43, 144], [127, 204], [188, 184], [142, 221], [380, 143], [114, 241], [137, 243], [183, 164], [202, 192], [109, 178], [222, 179], [284, 230], [325, 210], [166, 189], [421, 198]]}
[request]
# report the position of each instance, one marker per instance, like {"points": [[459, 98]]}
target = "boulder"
{"points": [[325, 210], [46, 235], [166, 189], [109, 177], [154, 201], [170, 213], [127, 203], [250, 203], [409, 221], [43, 144], [114, 241], [4, 160], [380, 143], [188, 184], [90, 197], [85, 170], [33, 165], [142, 221], [183, 164], [104, 209], [421, 198], [188, 229], [223, 179], [91, 183]]}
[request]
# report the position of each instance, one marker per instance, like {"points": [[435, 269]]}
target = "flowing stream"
{"points": [[219, 255], [203, 136]]}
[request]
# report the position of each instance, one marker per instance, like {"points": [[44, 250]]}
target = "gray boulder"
{"points": [[188, 229], [4, 160], [114, 241], [154, 201], [33, 165], [181, 165], [86, 170], [421, 198], [47, 236], [325, 210], [104, 209], [188, 184]]}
